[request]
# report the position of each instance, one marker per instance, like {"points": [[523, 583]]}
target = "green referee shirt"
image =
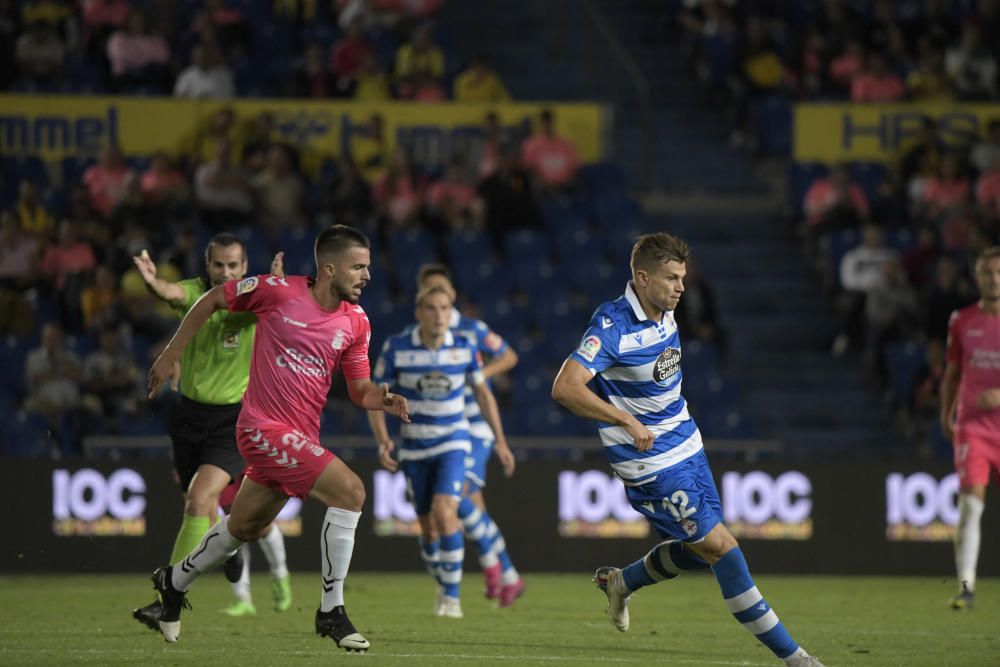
{"points": [[215, 366]]}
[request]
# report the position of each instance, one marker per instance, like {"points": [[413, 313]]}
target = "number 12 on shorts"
{"points": [[676, 504]]}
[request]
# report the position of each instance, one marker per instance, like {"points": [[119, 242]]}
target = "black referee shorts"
{"points": [[201, 434]]}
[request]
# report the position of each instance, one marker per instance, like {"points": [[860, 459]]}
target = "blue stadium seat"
{"points": [[771, 119], [25, 436], [904, 360], [469, 246], [602, 177], [73, 168], [526, 246]]}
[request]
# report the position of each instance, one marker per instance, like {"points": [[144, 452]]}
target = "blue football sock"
{"points": [[749, 607], [451, 558]]}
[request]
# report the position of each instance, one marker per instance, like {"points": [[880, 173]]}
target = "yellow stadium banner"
{"points": [[53, 127], [880, 132]]}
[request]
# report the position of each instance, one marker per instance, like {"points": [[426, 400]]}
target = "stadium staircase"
{"points": [[780, 381]]}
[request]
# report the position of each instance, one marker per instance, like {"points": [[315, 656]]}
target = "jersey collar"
{"points": [[456, 317], [633, 300], [449, 339]]}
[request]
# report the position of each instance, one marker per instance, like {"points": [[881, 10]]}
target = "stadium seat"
{"points": [[526, 246], [904, 361], [602, 177]]}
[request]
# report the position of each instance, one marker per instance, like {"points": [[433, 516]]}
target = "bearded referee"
{"points": [[215, 369]]}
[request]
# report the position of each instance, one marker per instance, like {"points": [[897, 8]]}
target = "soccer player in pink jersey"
{"points": [[306, 329], [970, 412]]}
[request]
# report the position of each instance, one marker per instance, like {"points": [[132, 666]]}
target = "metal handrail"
{"points": [[639, 80]]}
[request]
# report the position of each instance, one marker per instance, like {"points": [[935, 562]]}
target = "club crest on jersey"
{"points": [[338, 339], [493, 341], [434, 384], [690, 527], [590, 347], [667, 366], [246, 285]]}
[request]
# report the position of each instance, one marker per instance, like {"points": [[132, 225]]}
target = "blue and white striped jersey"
{"points": [[486, 342], [433, 382], [637, 368]]}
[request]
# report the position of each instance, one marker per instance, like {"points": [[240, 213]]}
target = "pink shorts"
{"points": [[975, 456], [228, 494], [280, 457]]}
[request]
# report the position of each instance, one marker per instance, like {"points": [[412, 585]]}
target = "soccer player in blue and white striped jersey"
{"points": [[503, 582], [631, 356], [431, 367]]}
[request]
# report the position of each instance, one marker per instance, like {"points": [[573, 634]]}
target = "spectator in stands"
{"points": [[229, 24], [945, 191], [311, 77], [988, 194], [924, 158], [52, 372], [925, 392], [848, 65], [40, 54], [877, 83], [347, 57], [930, 82], [552, 160], [371, 83], [184, 253], [137, 55], [881, 25], [399, 193], [369, 148], [934, 27], [106, 180], [418, 61], [508, 197], [100, 19], [891, 310], [949, 292], [480, 83], [696, 314], [19, 254], [835, 202], [68, 265], [163, 186], [760, 63], [972, 64], [487, 157], [208, 76], [920, 261], [862, 270], [99, 301], [19, 271], [147, 315], [989, 16], [348, 199], [222, 191], [837, 20], [985, 153], [202, 144], [280, 192], [452, 202], [112, 379], [808, 65], [31, 215], [427, 88]]}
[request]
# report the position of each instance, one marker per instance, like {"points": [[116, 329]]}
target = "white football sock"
{"points": [[215, 547], [970, 511], [336, 545], [273, 546]]}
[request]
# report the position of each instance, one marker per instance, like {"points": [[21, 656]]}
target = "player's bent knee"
{"points": [[201, 504]]}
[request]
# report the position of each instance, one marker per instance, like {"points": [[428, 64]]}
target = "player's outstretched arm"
{"points": [[500, 363], [167, 365], [366, 394], [491, 413], [170, 292], [570, 391]]}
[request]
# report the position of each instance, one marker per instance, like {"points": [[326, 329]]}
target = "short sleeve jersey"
{"points": [[298, 347], [215, 366], [974, 346]]}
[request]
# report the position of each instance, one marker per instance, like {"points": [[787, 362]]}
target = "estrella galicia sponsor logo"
{"points": [[434, 384], [667, 366]]}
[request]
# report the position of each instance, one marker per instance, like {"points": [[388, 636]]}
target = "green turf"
{"points": [[60, 620]]}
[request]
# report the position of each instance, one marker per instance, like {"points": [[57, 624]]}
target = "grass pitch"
{"points": [[61, 620]]}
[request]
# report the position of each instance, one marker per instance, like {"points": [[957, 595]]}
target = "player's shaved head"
{"points": [[427, 292], [652, 250], [430, 270], [335, 239]]}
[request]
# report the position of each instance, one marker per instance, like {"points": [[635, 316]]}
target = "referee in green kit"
{"points": [[215, 369]]}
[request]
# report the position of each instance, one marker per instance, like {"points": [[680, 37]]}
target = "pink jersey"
{"points": [[298, 347], [974, 346]]}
